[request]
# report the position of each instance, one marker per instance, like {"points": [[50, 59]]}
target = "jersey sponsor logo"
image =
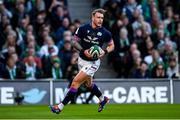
{"points": [[91, 38], [89, 41]]}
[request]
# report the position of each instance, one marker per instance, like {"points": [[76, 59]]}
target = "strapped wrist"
{"points": [[105, 52]]}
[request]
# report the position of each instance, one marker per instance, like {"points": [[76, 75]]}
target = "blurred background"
{"points": [[35, 39]]}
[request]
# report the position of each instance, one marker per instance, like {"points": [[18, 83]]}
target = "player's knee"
{"points": [[75, 85], [89, 86], [88, 82]]}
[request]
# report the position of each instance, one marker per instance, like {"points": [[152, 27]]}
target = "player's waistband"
{"points": [[88, 59]]}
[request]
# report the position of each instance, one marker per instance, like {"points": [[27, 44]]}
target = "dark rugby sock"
{"points": [[70, 95], [94, 89]]}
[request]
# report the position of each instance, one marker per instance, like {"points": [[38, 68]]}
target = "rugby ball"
{"points": [[95, 51]]}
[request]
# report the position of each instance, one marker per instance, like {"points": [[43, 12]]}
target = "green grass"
{"points": [[112, 111]]}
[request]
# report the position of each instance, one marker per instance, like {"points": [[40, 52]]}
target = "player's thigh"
{"points": [[80, 78]]}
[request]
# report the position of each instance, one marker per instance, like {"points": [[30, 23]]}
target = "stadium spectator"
{"points": [[72, 28], [32, 72], [136, 66], [158, 37], [67, 36], [48, 48], [122, 45], [31, 52], [4, 10], [131, 56], [176, 39], [153, 59], [12, 71], [142, 72], [5, 29], [31, 42], [156, 60], [65, 54], [56, 71], [129, 8], [6, 53], [147, 47], [128, 26], [72, 69], [64, 27], [47, 63], [21, 32], [159, 71], [57, 15], [166, 49], [19, 14], [140, 23], [173, 69], [40, 5], [42, 34]]}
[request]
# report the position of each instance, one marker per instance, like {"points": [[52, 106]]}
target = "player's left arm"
{"points": [[108, 49]]}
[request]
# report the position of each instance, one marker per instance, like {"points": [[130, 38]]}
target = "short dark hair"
{"points": [[143, 62], [99, 10]]}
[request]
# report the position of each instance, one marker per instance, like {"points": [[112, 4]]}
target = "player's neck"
{"points": [[94, 26]]}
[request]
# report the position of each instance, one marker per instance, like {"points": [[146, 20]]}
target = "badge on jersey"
{"points": [[99, 34]]}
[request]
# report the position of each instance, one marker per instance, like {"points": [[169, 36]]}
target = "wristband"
{"points": [[105, 52]]}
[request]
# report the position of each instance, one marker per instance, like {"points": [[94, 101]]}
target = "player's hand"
{"points": [[86, 53], [102, 54]]}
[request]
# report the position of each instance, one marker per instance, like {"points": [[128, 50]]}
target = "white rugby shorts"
{"points": [[89, 67]]}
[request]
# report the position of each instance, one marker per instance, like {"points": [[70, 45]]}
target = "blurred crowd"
{"points": [[35, 39], [147, 37]]}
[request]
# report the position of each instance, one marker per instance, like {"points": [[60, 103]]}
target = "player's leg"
{"points": [[94, 66], [95, 91], [93, 88], [77, 81]]}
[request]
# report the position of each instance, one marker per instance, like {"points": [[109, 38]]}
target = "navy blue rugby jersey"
{"points": [[89, 37]]}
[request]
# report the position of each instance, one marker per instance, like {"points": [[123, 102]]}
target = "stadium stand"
{"points": [[36, 34]]}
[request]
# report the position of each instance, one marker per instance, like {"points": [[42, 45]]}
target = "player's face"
{"points": [[97, 19]]}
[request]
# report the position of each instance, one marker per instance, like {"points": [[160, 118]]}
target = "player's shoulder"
{"points": [[85, 26], [106, 31], [81, 29]]}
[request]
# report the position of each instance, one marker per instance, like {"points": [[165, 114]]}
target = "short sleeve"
{"points": [[108, 36], [79, 32]]}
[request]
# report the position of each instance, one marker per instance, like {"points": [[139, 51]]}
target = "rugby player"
{"points": [[86, 36]]}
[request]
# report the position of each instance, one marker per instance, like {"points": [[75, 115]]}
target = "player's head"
{"points": [[97, 17]]}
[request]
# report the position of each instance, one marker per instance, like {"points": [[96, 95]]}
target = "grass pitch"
{"points": [[112, 111]]}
